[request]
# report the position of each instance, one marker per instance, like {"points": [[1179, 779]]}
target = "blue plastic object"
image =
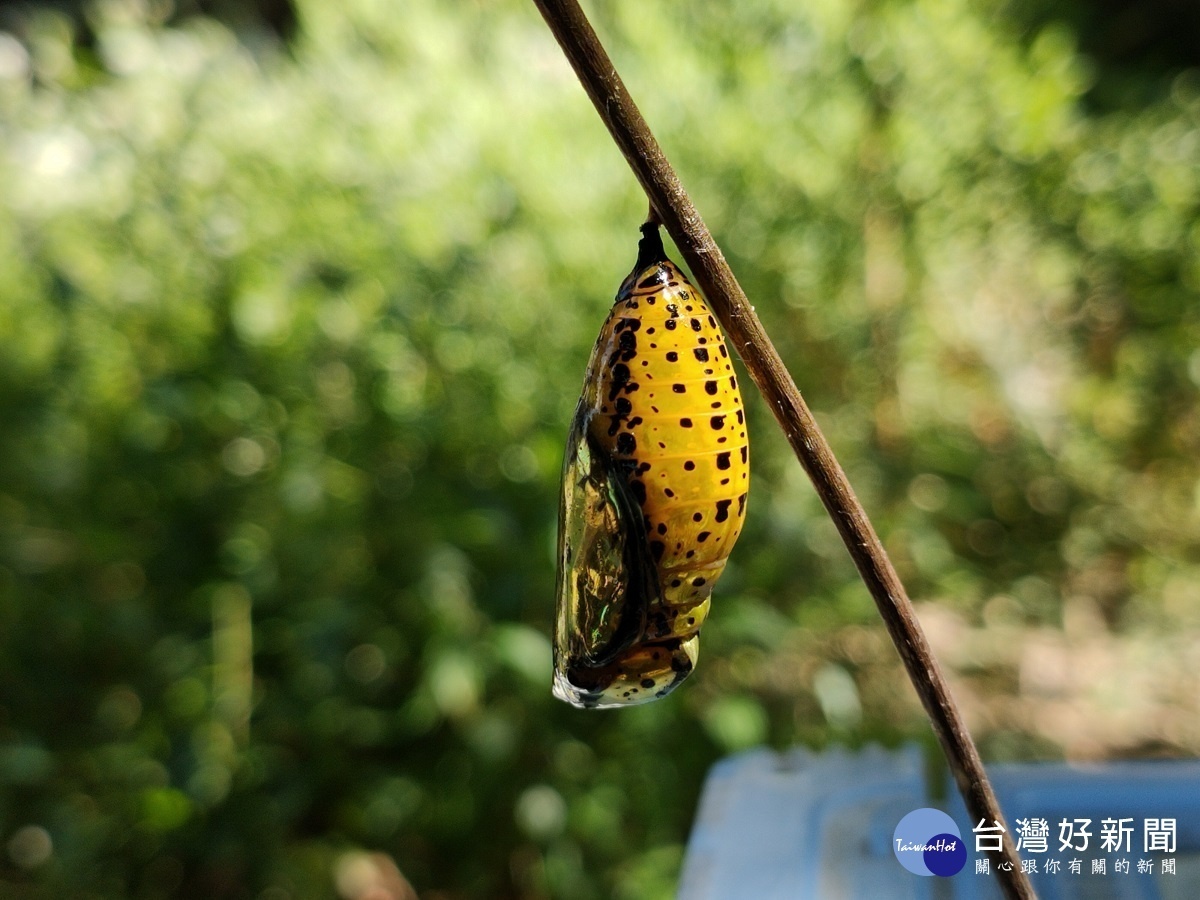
{"points": [[804, 825]]}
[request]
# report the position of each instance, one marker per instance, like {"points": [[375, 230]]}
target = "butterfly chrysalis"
{"points": [[653, 491]]}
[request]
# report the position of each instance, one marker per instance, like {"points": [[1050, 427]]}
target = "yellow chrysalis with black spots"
{"points": [[653, 491]]}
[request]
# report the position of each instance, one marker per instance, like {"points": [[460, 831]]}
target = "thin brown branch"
{"points": [[667, 196]]}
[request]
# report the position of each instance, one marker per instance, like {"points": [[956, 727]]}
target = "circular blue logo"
{"points": [[927, 842]]}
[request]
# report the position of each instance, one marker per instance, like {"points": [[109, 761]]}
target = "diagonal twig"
{"points": [[667, 196]]}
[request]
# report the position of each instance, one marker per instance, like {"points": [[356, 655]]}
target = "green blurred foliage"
{"points": [[288, 347]]}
